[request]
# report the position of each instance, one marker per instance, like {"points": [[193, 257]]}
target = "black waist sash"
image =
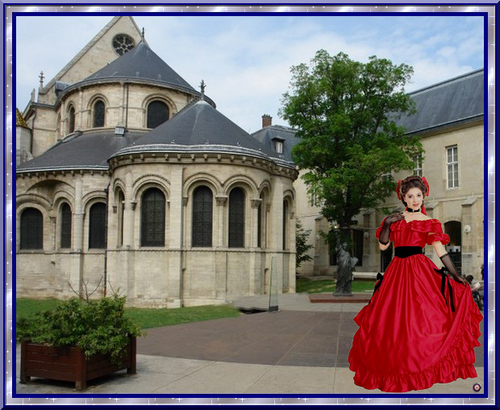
{"points": [[405, 251]]}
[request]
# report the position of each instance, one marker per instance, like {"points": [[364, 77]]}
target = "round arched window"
{"points": [[123, 43], [157, 113]]}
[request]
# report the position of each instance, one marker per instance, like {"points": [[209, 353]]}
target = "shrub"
{"points": [[95, 326]]}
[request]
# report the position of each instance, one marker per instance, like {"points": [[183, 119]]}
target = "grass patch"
{"points": [[305, 285], [145, 318], [149, 318]]}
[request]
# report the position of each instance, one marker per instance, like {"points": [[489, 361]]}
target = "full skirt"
{"points": [[409, 338]]}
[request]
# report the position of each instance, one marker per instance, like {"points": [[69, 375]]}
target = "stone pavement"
{"points": [[301, 349]]}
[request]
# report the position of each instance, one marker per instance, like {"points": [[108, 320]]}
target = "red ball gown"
{"points": [[420, 326]]}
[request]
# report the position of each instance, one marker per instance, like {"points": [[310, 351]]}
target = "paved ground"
{"points": [[302, 349]]}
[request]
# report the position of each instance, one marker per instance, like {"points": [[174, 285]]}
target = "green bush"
{"points": [[95, 326]]}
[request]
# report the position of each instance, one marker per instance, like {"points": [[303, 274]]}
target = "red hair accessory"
{"points": [[398, 190], [426, 184]]}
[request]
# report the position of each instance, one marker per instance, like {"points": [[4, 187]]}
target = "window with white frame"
{"points": [[417, 165], [452, 166]]}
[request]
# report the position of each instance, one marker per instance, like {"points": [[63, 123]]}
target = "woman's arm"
{"points": [[384, 247], [439, 248], [441, 251]]}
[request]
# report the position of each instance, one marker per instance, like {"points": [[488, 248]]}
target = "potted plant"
{"points": [[79, 340]]}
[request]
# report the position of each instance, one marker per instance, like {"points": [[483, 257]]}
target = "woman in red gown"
{"points": [[420, 327]]}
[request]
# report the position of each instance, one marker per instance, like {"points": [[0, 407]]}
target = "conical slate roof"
{"points": [[89, 150], [142, 63], [202, 126]]}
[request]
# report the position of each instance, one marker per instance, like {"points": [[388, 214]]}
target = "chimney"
{"points": [[267, 121]]}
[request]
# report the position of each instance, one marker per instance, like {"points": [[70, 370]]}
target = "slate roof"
{"points": [[142, 63], [268, 134], [201, 128], [89, 150], [453, 101]]}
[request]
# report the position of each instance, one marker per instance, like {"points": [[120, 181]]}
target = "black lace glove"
{"points": [[386, 229], [451, 268]]}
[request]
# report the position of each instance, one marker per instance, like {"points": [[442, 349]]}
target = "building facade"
{"points": [[138, 185], [450, 122]]}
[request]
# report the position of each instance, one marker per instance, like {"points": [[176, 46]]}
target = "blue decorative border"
{"points": [[457, 8]]}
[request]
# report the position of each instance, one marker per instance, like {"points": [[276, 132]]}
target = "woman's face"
{"points": [[414, 198]]}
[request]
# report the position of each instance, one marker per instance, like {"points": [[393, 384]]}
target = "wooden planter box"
{"points": [[70, 364]]}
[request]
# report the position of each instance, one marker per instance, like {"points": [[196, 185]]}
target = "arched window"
{"points": [[120, 210], [262, 222], [259, 225], [65, 226], [31, 229], [237, 218], [202, 217], [71, 119], [98, 114], [157, 113], [153, 218], [97, 226]]}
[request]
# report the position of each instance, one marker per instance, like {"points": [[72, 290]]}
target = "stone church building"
{"points": [[130, 180]]}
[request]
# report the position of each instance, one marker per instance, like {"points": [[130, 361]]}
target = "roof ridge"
{"points": [[448, 81]]}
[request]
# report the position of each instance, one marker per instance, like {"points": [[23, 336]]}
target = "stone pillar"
{"points": [[468, 238], [254, 256], [254, 222], [76, 276], [79, 125], [128, 213], [293, 250], [221, 261], [276, 232], [219, 225], [176, 232], [123, 104]]}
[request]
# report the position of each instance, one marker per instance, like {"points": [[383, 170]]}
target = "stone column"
{"points": [[220, 257], [76, 276], [255, 267], [128, 213], [468, 238], [293, 249], [176, 232], [276, 233], [220, 222], [79, 125]]}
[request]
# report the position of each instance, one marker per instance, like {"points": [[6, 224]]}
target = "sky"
{"points": [[245, 61]]}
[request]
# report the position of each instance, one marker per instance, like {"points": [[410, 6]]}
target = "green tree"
{"points": [[346, 115], [301, 244]]}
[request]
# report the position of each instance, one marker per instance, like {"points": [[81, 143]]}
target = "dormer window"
{"points": [[279, 145]]}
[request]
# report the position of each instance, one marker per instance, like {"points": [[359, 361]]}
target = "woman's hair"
{"points": [[410, 182]]}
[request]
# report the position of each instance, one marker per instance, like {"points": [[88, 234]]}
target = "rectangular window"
{"points": [[417, 168], [278, 145], [452, 166]]}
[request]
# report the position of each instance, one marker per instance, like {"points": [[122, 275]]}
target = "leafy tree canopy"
{"points": [[346, 112]]}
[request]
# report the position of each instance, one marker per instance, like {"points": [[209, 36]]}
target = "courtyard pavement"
{"points": [[301, 349]]}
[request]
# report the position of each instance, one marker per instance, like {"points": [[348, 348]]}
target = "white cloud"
{"points": [[246, 61]]}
